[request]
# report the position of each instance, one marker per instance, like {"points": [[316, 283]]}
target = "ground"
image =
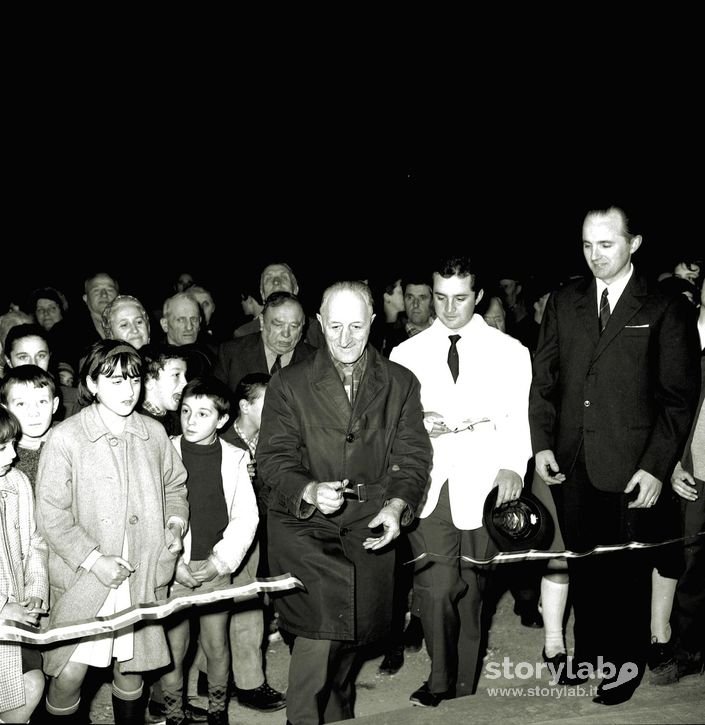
{"points": [[377, 694]]}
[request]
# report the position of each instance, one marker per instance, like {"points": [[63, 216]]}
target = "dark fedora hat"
{"points": [[518, 525]]}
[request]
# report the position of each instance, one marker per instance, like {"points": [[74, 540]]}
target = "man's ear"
{"points": [[635, 243], [164, 324], [85, 298], [55, 405], [479, 296], [260, 317], [222, 420]]}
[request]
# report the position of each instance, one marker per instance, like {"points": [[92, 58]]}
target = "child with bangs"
{"points": [[112, 507], [29, 392]]}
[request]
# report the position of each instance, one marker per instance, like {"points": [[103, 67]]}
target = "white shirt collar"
{"points": [[614, 290]]}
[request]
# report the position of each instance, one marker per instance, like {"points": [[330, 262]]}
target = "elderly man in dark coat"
{"points": [[343, 447]]}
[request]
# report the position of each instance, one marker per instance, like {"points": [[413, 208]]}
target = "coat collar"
{"points": [[325, 379], [95, 428]]}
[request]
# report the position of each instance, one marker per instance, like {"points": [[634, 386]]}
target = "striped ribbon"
{"points": [[506, 557], [11, 631]]}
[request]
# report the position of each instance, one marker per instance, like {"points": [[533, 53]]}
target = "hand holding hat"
{"points": [[518, 525]]}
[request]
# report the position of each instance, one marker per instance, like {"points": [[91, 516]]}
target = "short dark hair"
{"points": [[249, 386], [155, 356], [102, 358], [28, 329], [208, 386], [458, 267], [278, 298], [10, 428], [26, 375]]}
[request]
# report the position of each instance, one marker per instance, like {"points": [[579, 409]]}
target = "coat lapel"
{"points": [[586, 310], [372, 383], [325, 380], [629, 304]]}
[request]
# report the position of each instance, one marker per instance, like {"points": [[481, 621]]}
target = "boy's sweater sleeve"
{"points": [[239, 534]]}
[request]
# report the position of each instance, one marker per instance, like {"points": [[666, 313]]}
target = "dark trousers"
{"points": [[321, 681], [690, 592], [447, 596], [611, 593]]}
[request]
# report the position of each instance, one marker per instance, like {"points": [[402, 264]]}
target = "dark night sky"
{"points": [[147, 202]]}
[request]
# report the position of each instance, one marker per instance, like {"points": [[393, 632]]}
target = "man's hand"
{"points": [[206, 573], [327, 496], [683, 483], [649, 490], [185, 577], [547, 467], [112, 571], [435, 424], [388, 518], [509, 484]]}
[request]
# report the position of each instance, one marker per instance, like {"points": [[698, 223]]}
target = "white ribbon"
{"points": [[12, 631]]}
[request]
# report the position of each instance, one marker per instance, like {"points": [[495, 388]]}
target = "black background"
{"points": [[166, 168]]}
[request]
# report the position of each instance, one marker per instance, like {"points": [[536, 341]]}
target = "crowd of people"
{"points": [[334, 445]]}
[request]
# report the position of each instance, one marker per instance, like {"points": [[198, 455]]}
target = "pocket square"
{"points": [[635, 327]]}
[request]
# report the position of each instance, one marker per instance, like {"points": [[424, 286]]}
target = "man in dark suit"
{"points": [[278, 344], [343, 447], [614, 388]]}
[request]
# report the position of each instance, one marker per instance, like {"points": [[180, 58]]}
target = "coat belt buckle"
{"points": [[356, 490]]}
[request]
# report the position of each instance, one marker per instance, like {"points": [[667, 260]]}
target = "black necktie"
{"points": [[604, 310], [276, 365], [453, 361]]}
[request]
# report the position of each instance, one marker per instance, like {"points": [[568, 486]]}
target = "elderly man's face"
{"points": [[277, 278], [346, 322], [183, 322], [282, 327]]}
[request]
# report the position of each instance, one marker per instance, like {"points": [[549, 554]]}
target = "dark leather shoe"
{"points": [[529, 615], [689, 663], [263, 698], [156, 712], [393, 661], [616, 695], [425, 698], [559, 667]]}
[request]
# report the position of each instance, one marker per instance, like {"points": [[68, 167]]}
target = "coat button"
{"points": [[344, 531], [587, 403], [113, 441], [133, 519], [350, 437]]}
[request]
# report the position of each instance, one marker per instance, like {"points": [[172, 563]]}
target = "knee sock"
{"points": [[174, 703], [127, 694], [217, 696], [62, 711], [554, 596], [663, 590]]}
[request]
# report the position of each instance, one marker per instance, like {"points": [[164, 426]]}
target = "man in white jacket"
{"points": [[474, 390]]}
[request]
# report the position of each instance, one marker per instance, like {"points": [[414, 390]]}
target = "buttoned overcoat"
{"points": [[94, 490], [309, 432], [23, 573]]}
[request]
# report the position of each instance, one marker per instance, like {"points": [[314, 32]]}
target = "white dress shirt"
{"points": [[493, 384]]}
